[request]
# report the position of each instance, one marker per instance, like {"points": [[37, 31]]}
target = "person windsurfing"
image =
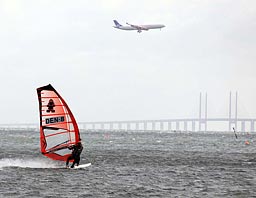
{"points": [[76, 152]]}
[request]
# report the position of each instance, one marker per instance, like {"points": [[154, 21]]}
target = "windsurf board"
{"points": [[81, 166]]}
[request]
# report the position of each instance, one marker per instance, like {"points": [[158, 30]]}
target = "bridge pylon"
{"points": [[203, 120], [232, 118]]}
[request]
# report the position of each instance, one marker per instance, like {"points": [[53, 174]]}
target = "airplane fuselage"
{"points": [[125, 28]]}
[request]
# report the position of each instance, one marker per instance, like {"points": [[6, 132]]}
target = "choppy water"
{"points": [[133, 164]]}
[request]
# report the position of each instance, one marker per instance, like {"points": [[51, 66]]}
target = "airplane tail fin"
{"points": [[117, 24]]}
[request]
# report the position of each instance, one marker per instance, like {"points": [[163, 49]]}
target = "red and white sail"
{"points": [[58, 127]]}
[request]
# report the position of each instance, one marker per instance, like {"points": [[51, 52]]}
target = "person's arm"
{"points": [[71, 147]]}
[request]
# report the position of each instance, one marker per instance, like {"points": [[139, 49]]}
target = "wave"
{"points": [[27, 163]]}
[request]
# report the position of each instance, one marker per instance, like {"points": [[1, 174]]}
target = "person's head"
{"points": [[79, 143]]}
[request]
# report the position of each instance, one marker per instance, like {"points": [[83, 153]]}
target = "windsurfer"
{"points": [[76, 152]]}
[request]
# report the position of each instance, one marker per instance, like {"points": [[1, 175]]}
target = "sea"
{"points": [[133, 164]]}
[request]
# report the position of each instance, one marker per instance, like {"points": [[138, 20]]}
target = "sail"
{"points": [[58, 127]]}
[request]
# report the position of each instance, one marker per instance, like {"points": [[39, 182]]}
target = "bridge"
{"points": [[201, 123], [243, 125]]}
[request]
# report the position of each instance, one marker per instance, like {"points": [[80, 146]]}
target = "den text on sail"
{"points": [[54, 120]]}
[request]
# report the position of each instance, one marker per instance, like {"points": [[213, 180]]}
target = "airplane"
{"points": [[139, 28]]}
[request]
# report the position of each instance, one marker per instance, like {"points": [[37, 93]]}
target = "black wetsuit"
{"points": [[77, 150]]}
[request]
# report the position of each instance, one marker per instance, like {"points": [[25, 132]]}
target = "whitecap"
{"points": [[27, 163]]}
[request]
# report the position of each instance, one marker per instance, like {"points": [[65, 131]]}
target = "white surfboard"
{"points": [[82, 166]]}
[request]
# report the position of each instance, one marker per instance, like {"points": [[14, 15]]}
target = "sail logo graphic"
{"points": [[54, 120], [50, 106]]}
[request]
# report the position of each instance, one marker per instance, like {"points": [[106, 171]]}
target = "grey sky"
{"points": [[108, 74]]}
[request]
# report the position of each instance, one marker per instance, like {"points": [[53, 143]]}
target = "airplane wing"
{"points": [[138, 27]]}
